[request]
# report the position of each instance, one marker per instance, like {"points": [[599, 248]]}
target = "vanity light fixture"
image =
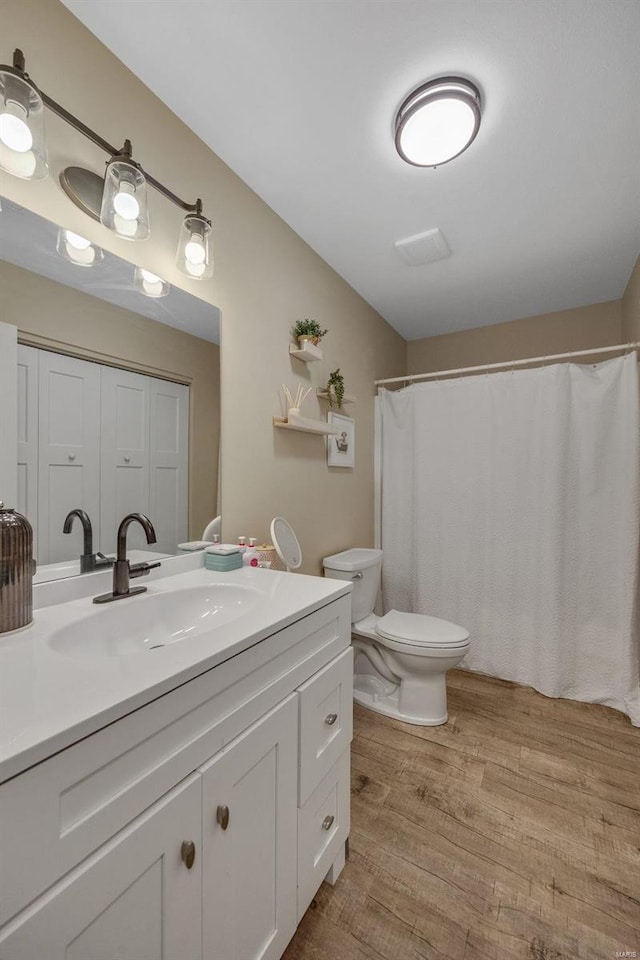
{"points": [[124, 198], [149, 284], [23, 151], [77, 250], [194, 256], [438, 121], [119, 200]]}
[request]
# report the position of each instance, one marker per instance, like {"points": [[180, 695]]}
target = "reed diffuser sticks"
{"points": [[295, 402]]}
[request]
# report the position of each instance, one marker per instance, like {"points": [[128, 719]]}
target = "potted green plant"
{"points": [[308, 330], [335, 388]]}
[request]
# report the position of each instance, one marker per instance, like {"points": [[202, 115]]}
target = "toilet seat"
{"points": [[420, 630]]}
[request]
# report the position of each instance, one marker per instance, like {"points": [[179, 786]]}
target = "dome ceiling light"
{"points": [[438, 121]]}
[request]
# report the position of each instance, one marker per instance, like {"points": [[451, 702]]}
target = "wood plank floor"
{"points": [[510, 833]]}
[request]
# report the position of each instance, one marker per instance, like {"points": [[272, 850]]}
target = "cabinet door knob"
{"points": [[188, 853], [327, 823], [127, 458], [331, 719], [72, 456], [222, 816]]}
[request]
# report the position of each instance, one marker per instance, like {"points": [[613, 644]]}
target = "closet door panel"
{"points": [[27, 502], [68, 452], [124, 455], [169, 462]]}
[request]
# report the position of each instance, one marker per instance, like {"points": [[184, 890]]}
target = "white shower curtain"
{"points": [[510, 505]]}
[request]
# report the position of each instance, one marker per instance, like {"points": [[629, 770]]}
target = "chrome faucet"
{"points": [[123, 571], [89, 560]]}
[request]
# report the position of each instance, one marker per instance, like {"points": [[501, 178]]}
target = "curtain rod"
{"points": [[508, 363]]}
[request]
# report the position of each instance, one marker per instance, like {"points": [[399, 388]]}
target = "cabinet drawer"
{"points": [[326, 721], [323, 826]]}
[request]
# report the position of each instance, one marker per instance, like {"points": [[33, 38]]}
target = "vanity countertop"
{"points": [[52, 695]]}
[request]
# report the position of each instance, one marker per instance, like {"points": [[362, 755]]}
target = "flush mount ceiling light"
{"points": [[119, 200], [438, 121]]}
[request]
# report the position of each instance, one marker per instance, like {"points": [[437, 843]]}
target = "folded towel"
{"points": [[223, 549]]}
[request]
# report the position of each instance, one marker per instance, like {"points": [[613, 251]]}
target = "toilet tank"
{"points": [[347, 566]]}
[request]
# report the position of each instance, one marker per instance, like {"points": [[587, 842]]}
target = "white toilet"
{"points": [[401, 659]]}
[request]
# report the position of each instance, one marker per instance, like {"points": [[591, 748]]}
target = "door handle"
{"points": [[331, 719], [222, 816], [327, 823]]}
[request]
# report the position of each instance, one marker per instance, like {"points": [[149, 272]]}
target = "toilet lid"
{"points": [[422, 630]]}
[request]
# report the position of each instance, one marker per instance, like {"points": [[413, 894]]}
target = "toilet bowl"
{"points": [[401, 659]]}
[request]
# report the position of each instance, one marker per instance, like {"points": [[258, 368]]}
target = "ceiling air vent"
{"points": [[422, 248]]}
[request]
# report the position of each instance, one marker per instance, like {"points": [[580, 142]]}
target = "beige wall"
{"points": [[266, 278], [60, 318], [631, 307], [598, 325]]}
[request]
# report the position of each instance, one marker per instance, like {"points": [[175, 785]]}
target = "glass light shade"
{"points": [[149, 284], [124, 201], [77, 250], [438, 121], [23, 150], [194, 256]]}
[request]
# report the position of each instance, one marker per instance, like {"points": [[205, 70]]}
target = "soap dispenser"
{"points": [[17, 567]]}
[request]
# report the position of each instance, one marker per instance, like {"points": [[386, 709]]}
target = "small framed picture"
{"points": [[341, 447]]}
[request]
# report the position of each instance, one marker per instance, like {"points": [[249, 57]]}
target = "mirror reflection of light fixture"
{"points": [[149, 284], [22, 141], [119, 200], [194, 256], [77, 250], [438, 121]]}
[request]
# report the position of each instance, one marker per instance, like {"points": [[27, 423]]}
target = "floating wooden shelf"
{"points": [[307, 351], [306, 425], [324, 395]]}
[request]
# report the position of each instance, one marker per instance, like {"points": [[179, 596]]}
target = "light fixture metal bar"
{"points": [[78, 125], [109, 148], [73, 121]]}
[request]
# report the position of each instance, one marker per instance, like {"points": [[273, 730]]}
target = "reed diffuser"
{"points": [[295, 402]]}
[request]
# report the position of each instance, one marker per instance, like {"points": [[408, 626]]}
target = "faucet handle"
{"points": [[142, 569]]}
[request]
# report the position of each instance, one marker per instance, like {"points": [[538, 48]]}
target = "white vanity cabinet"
{"points": [[248, 762], [134, 899]]}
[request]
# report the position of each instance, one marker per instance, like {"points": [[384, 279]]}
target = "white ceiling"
{"points": [[542, 213]]}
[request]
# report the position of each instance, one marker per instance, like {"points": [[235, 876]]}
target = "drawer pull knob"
{"points": [[188, 853], [327, 823], [331, 719], [222, 816]]}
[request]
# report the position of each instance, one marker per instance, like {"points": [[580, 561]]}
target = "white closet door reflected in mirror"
{"points": [[106, 440]]}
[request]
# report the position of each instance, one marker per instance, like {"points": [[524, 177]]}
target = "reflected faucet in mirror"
{"points": [[89, 560], [123, 571]]}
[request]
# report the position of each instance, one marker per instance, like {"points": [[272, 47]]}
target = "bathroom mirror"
{"points": [[117, 395]]}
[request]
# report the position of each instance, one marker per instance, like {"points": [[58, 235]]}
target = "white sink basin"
{"points": [[154, 620]]}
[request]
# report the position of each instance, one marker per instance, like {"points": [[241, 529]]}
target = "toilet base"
{"points": [[374, 697]]}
